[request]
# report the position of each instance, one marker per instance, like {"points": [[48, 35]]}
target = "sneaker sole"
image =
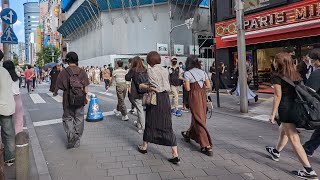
{"points": [[305, 177], [273, 158]]}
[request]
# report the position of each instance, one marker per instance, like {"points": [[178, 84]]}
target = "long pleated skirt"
{"points": [[158, 128]]}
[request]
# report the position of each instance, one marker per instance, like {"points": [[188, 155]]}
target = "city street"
{"points": [[109, 148]]}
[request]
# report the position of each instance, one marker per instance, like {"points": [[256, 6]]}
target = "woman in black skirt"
{"points": [[283, 103], [158, 128]]}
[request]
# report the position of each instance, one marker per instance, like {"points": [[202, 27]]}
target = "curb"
{"points": [[41, 163]]}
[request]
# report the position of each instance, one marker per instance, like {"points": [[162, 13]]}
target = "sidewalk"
{"points": [[260, 110], [108, 151], [10, 172]]}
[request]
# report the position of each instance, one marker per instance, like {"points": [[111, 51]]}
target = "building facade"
{"points": [[105, 31], [272, 26], [31, 21]]}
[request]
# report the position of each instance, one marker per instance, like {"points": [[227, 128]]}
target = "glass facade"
{"points": [[31, 21]]}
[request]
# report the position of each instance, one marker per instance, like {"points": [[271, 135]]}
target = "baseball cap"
{"points": [[174, 58]]}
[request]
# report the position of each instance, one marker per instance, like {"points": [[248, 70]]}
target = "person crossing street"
{"points": [[175, 77], [118, 76]]}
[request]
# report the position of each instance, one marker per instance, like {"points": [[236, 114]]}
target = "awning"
{"points": [[85, 12]]}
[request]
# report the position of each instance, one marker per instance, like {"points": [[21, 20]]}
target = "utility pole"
{"points": [[213, 21], [6, 47], [241, 42]]}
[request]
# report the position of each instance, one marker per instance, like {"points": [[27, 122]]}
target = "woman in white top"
{"points": [[18, 115]]}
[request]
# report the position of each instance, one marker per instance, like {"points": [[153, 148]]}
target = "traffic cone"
{"points": [[94, 112]]}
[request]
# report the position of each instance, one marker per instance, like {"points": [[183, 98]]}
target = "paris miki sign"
{"points": [[285, 15]]}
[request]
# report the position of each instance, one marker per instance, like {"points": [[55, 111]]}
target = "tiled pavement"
{"points": [[108, 151]]}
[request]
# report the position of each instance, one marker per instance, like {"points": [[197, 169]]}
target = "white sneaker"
{"points": [[125, 118], [140, 131], [117, 113]]}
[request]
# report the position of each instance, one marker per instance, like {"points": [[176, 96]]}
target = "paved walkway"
{"points": [[108, 148], [108, 151]]}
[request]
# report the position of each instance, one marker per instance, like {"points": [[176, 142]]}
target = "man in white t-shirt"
{"points": [[7, 109]]}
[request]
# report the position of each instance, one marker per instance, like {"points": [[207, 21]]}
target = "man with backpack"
{"points": [[175, 74], [313, 82], [73, 81]]}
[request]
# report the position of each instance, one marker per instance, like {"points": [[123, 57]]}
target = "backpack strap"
{"points": [[69, 71], [289, 81]]}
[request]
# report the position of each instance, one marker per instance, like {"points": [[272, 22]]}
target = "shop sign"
{"points": [[194, 50], [178, 49], [162, 48], [290, 16]]}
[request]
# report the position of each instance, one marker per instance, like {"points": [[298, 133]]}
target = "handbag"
{"points": [[149, 98]]}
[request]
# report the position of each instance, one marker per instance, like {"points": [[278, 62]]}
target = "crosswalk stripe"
{"points": [[58, 98], [57, 121], [106, 93], [37, 99], [48, 122]]}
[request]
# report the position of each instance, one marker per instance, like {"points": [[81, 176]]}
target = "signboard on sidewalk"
{"points": [[178, 49], [162, 48]]}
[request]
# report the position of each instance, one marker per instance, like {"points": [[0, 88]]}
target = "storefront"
{"points": [[293, 28]]}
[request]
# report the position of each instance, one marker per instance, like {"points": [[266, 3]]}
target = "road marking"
{"points": [[90, 94], [57, 121], [37, 99], [261, 117], [106, 93], [48, 122], [58, 98]]}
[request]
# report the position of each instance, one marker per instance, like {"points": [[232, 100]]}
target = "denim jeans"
{"points": [[7, 137], [314, 142]]}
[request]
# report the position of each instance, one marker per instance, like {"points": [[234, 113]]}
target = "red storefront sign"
{"points": [[292, 21]]}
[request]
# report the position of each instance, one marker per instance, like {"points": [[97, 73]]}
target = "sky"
{"points": [[18, 27]]}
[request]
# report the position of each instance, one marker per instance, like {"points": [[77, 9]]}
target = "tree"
{"points": [[45, 55], [15, 59]]}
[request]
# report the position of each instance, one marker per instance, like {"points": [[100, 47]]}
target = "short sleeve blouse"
{"points": [[196, 75]]}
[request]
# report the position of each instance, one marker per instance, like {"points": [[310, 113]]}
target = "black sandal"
{"points": [[185, 136], [206, 151], [141, 150]]}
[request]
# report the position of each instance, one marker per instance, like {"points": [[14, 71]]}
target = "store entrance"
{"points": [[264, 61]]}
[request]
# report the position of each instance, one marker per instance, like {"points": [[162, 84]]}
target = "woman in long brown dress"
{"points": [[196, 81]]}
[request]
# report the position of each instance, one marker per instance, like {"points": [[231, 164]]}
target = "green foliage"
{"points": [[45, 55], [15, 59]]}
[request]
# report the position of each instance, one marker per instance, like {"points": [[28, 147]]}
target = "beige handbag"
{"points": [[149, 98]]}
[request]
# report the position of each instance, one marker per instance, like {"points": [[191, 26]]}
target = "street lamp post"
{"points": [[188, 23], [241, 43]]}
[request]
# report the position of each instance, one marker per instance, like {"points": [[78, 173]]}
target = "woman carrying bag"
{"points": [[158, 128]]}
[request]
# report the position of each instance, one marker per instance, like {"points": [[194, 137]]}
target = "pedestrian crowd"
{"points": [[149, 88]]}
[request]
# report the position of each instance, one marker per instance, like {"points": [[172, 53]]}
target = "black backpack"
{"points": [[307, 105], [142, 77], [76, 94], [174, 77]]}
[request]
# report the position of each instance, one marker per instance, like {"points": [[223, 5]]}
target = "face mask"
{"points": [[174, 63], [181, 66]]}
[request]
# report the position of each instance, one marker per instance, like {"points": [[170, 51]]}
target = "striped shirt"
{"points": [[119, 75]]}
